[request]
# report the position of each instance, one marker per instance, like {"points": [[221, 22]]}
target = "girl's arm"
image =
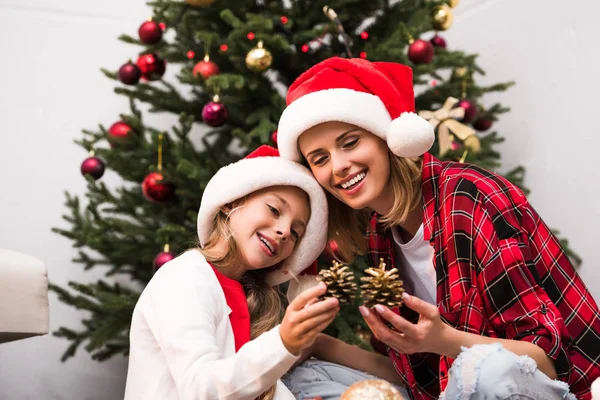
{"points": [[330, 349]]}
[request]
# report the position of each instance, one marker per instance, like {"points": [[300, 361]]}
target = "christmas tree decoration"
{"points": [[190, 54], [250, 35], [340, 282], [118, 133], [214, 112], [438, 41], [162, 258], [305, 48], [381, 287], [129, 73], [150, 32], [259, 59], [152, 66], [223, 47], [372, 389], [442, 17], [200, 3], [446, 121], [453, 3], [155, 190], [206, 68], [482, 124], [284, 20], [274, 137], [461, 72], [420, 52], [470, 110], [92, 166], [471, 145], [364, 35], [332, 250], [363, 54]]}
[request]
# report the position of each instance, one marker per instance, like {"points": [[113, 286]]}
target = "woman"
{"points": [[495, 306]]}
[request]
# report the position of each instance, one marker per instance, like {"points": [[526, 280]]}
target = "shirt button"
{"points": [[443, 374], [544, 311]]}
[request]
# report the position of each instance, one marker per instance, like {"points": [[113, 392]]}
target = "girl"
{"points": [[207, 326], [495, 307]]}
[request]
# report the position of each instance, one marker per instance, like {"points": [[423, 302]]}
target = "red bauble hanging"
{"points": [[420, 52], [206, 68], [438, 41], [274, 137], [470, 110], [155, 190], [118, 133], [162, 258], [151, 65], [214, 113], [150, 32], [92, 166], [482, 124], [129, 73]]}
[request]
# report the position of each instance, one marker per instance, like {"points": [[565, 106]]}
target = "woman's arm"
{"points": [[330, 349]]}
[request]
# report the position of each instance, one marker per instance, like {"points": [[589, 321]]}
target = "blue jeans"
{"points": [[486, 372], [321, 378], [483, 372]]}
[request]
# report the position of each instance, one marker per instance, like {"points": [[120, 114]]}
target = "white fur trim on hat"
{"points": [[410, 135], [249, 175], [345, 105]]}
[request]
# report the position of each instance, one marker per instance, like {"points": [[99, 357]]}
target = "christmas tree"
{"points": [[234, 59]]}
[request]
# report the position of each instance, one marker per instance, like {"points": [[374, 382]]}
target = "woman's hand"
{"points": [[427, 335], [306, 317]]}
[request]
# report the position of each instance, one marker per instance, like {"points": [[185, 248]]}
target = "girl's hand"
{"points": [[428, 335], [306, 317]]}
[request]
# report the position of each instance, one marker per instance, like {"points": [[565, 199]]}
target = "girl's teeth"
{"points": [[354, 181]]}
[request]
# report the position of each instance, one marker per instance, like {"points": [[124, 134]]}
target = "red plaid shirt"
{"points": [[500, 273]]}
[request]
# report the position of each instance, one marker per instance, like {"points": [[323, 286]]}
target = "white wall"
{"points": [[51, 88]]}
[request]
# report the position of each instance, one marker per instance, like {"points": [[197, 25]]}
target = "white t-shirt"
{"points": [[415, 264]]}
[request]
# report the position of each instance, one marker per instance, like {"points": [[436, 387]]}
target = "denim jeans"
{"points": [[486, 372], [483, 372], [321, 378]]}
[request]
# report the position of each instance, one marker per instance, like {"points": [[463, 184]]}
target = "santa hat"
{"points": [[261, 169], [376, 96]]}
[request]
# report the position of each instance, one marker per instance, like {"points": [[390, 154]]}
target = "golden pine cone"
{"points": [[372, 389], [340, 282], [382, 287]]}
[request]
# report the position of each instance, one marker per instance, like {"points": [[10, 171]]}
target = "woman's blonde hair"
{"points": [[347, 226], [264, 301]]}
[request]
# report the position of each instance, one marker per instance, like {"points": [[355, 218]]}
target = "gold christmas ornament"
{"points": [[381, 287], [442, 17], [372, 389], [453, 3], [445, 120], [473, 144], [340, 282], [259, 59], [461, 72], [363, 334], [200, 3]]}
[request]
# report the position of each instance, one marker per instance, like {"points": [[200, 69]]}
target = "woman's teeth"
{"points": [[353, 181]]}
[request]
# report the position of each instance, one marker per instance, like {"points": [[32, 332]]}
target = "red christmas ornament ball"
{"points": [[92, 166], [420, 52], [274, 137], [470, 110], [206, 68], [150, 32], [162, 258], [151, 65], [214, 113], [118, 133], [482, 124], [438, 41], [129, 73], [156, 191]]}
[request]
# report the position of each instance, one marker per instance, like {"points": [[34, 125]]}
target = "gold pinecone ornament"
{"points": [[382, 287], [340, 282]]}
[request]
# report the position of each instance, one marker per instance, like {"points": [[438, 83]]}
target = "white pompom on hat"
{"points": [[376, 96], [261, 169]]}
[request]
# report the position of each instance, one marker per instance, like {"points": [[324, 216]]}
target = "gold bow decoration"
{"points": [[445, 120]]}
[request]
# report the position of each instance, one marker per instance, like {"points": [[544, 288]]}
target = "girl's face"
{"points": [[350, 163], [268, 224]]}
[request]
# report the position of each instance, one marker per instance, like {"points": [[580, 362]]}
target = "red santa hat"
{"points": [[261, 169], [376, 96]]}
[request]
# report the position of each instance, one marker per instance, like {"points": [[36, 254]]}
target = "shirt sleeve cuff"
{"points": [[562, 364]]}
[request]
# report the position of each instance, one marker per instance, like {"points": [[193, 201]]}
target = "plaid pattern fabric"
{"points": [[500, 273]]}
